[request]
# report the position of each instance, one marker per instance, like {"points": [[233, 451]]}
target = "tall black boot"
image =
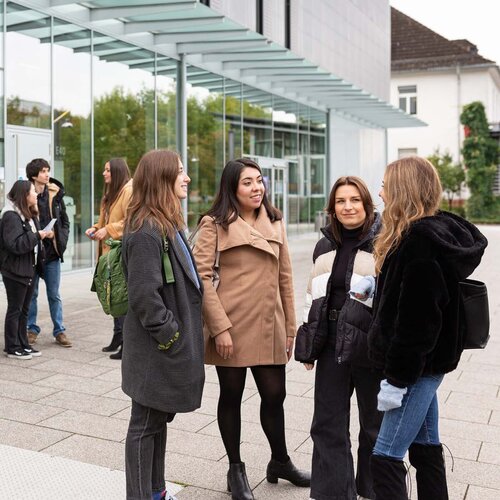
{"points": [[431, 473], [116, 342], [389, 478], [277, 470], [237, 482]]}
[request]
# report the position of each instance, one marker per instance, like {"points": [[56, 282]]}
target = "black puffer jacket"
{"points": [[57, 210], [17, 246], [355, 316], [415, 329]]}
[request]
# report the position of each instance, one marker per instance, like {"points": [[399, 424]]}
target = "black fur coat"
{"points": [[415, 331]]}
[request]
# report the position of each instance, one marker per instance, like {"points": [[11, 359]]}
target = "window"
{"points": [[259, 24], [405, 152], [408, 99], [287, 24]]}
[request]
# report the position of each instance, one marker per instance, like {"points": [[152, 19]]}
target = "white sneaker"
{"points": [[33, 352], [18, 355]]}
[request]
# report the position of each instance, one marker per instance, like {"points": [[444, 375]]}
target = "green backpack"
{"points": [[109, 279]]}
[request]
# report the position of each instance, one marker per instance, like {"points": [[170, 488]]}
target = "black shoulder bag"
{"points": [[474, 314]]}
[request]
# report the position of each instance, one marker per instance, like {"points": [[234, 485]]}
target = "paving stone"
{"points": [[87, 403], [22, 411], [117, 394], [27, 436], [90, 450], [204, 473], [24, 392], [490, 453], [87, 424], [191, 422], [20, 373], [77, 384], [195, 444], [465, 413], [193, 493], [476, 401], [71, 368], [467, 430], [114, 375], [469, 387], [208, 406], [478, 493]]}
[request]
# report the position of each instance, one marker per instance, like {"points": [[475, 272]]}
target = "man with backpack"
{"points": [[50, 206]]}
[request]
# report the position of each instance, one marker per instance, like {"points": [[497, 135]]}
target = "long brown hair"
{"points": [[412, 190], [226, 208], [153, 197], [18, 195], [366, 199], [120, 175]]}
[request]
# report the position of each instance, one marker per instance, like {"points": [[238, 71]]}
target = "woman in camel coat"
{"points": [[250, 318], [114, 204]]}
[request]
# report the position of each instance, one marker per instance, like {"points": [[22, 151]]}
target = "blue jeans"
{"points": [[415, 421], [52, 278]]}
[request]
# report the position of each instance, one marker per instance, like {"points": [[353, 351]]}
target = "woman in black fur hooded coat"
{"points": [[421, 254]]}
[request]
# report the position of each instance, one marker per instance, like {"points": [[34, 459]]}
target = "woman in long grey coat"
{"points": [[162, 367]]}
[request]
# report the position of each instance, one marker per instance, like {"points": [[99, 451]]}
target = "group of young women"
{"points": [[230, 303]]}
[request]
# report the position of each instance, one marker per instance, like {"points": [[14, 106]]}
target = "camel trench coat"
{"points": [[255, 299], [116, 218]]}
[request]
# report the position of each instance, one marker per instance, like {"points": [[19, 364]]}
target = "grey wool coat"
{"points": [[170, 380]]}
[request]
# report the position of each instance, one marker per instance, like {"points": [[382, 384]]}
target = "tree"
{"points": [[480, 153], [452, 175]]}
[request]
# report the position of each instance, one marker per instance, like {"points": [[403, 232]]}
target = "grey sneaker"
{"points": [[63, 340]]}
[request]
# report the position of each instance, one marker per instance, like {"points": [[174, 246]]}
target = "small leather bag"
{"points": [[474, 314]]}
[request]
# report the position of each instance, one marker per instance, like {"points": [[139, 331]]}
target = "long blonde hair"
{"points": [[153, 196], [412, 190]]}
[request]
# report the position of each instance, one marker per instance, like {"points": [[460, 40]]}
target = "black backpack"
{"points": [[474, 314]]}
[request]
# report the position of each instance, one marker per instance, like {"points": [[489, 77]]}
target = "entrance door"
{"points": [[22, 144], [275, 173]]}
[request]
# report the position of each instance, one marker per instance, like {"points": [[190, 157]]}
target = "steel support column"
{"points": [[181, 100]]}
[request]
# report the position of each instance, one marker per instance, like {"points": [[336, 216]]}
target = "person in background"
{"points": [[162, 368], [421, 254], [50, 206], [250, 317], [20, 254], [334, 334], [114, 204]]}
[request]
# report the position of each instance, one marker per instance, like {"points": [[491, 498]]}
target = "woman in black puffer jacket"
{"points": [[20, 253], [335, 334]]}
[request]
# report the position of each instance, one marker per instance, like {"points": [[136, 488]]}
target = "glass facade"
{"points": [[78, 97]]}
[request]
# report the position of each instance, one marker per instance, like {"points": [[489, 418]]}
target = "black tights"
{"points": [[270, 382]]}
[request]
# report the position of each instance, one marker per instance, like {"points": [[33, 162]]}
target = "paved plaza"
{"points": [[63, 416]]}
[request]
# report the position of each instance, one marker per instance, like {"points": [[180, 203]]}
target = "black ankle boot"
{"points": [[431, 473], [237, 482], [116, 342], [277, 470], [118, 354], [389, 478]]}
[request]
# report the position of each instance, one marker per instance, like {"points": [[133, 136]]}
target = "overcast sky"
{"points": [[476, 20]]}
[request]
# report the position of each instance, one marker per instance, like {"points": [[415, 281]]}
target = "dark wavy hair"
{"points": [[120, 175], [226, 208], [18, 195]]}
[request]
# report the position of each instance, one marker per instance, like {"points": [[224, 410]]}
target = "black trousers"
{"points": [[332, 476], [16, 318], [145, 451]]}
